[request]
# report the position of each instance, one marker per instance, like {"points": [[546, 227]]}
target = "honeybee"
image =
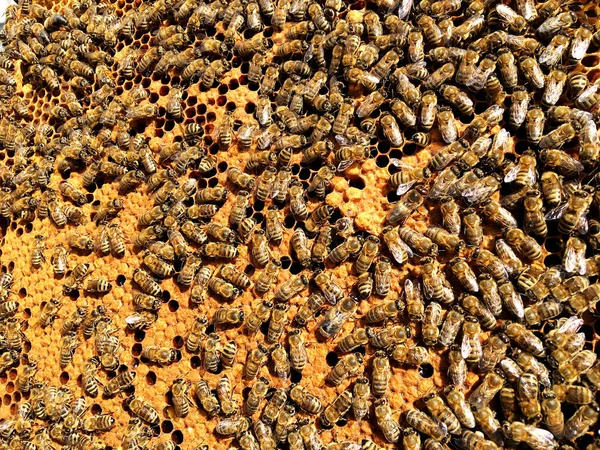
{"points": [[229, 406], [309, 308], [572, 214], [281, 362], [426, 425], [257, 358], [232, 426], [297, 202], [206, 398], [337, 409], [486, 391], [268, 276], [59, 260], [160, 355], [298, 355], [240, 179], [529, 434], [301, 247], [275, 407], [260, 248], [119, 383], [336, 316], [404, 208], [25, 379], [389, 426], [256, 395]]}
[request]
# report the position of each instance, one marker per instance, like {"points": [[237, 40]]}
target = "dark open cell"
{"points": [[211, 117], [223, 89], [28, 228], [166, 426], [213, 182], [10, 387], [222, 166], [7, 399], [590, 61], [201, 109], [173, 305], [295, 377], [286, 262], [552, 260], [64, 377], [230, 106], [151, 378], [250, 108], [136, 349], [392, 196], [296, 268], [221, 100], [426, 370], [258, 205], [409, 149], [382, 161], [146, 82], [234, 84], [121, 280], [289, 222], [195, 362], [17, 397], [139, 335], [166, 296], [178, 342], [23, 292], [357, 183], [553, 245], [332, 359]]}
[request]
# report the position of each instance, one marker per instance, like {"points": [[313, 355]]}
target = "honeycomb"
{"points": [[116, 30]]}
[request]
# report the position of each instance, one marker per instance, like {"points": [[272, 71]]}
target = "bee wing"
{"points": [[309, 53], [465, 348], [573, 164], [344, 165], [540, 438], [398, 250], [396, 162], [583, 225], [428, 290], [405, 7], [511, 175], [556, 213], [506, 12], [570, 259], [404, 188], [579, 48], [570, 325]]}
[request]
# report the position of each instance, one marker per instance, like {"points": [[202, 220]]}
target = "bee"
{"points": [[37, 255], [281, 362], [574, 256], [232, 426], [330, 289], [59, 260], [555, 24], [346, 367], [529, 434], [337, 409], [98, 423], [301, 247], [256, 395], [119, 383], [336, 316], [268, 276], [206, 398], [219, 250], [458, 99], [308, 309], [404, 208], [229, 406], [525, 244], [260, 248], [288, 289], [147, 283], [25, 379], [360, 336], [160, 355], [572, 214], [240, 179], [257, 358], [554, 418], [485, 392], [451, 326], [435, 284], [424, 424], [558, 137], [342, 120], [67, 350], [387, 424], [298, 206], [440, 411]]}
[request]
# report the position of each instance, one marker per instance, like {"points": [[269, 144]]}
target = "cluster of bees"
{"points": [[325, 82]]}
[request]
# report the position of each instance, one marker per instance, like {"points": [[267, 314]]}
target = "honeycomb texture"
{"points": [[360, 192]]}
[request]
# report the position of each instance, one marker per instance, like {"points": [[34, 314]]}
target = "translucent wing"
{"points": [[396, 162], [512, 174], [405, 7], [556, 213], [405, 187], [344, 164], [570, 325]]}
